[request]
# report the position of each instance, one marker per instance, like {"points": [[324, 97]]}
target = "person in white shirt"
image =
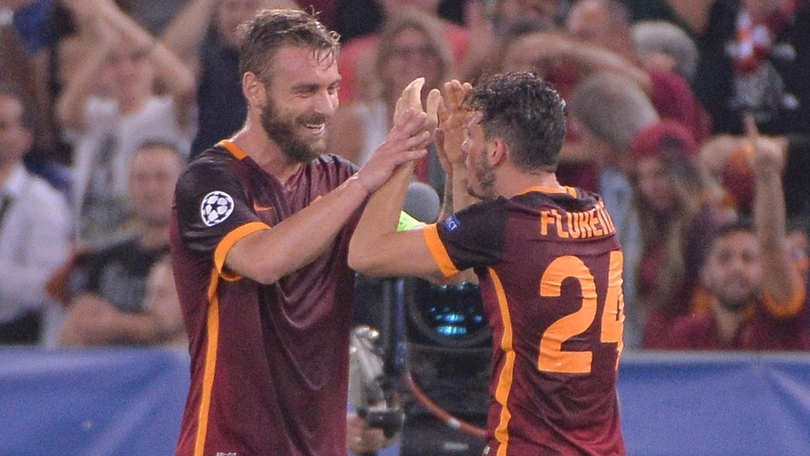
{"points": [[111, 106], [35, 230]]}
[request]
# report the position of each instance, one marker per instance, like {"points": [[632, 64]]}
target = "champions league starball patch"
{"points": [[216, 207]]}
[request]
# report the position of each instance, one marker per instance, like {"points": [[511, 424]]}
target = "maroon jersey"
{"points": [[765, 326], [269, 363], [550, 269]]}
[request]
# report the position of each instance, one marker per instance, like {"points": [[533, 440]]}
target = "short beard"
{"points": [[283, 133], [485, 177]]}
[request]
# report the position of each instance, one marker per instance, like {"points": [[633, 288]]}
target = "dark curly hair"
{"points": [[527, 113]]}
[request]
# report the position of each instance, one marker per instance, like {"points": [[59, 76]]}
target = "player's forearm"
{"points": [[268, 255], [366, 250]]}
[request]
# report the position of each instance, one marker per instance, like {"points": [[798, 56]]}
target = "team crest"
{"points": [[216, 207]]}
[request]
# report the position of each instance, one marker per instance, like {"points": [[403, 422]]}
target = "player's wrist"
{"points": [[357, 183]]}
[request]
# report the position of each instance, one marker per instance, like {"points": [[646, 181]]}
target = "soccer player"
{"points": [[548, 262], [259, 240]]}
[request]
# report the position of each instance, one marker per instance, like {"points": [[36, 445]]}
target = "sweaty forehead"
{"points": [[296, 62]]}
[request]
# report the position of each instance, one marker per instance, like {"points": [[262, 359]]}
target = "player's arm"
{"points": [[782, 282], [377, 249], [268, 255]]}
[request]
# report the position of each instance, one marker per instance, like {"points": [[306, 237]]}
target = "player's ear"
{"points": [[499, 153], [254, 89]]}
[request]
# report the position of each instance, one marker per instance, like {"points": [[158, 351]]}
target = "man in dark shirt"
{"points": [[260, 234], [754, 58], [548, 262], [109, 284]]}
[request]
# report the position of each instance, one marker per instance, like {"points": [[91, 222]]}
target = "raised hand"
{"points": [[411, 97], [764, 154], [405, 142], [452, 117]]}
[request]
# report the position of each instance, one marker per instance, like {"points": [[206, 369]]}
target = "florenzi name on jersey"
{"points": [[577, 225]]}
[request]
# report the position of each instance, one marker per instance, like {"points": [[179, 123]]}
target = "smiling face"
{"points": [[301, 97], [732, 271]]}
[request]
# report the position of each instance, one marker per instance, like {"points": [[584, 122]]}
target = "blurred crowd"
{"points": [[691, 119]]}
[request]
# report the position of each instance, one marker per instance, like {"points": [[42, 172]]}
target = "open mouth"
{"points": [[736, 286], [316, 128]]}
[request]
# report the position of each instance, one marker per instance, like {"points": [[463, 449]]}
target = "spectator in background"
{"points": [[107, 306], [679, 204], [162, 303], [25, 62], [690, 15], [606, 23], [610, 111], [35, 228], [755, 58], [760, 297], [535, 45], [597, 40], [152, 15], [508, 12], [356, 58], [109, 107], [494, 23], [25, 44], [725, 156], [411, 46], [204, 36], [661, 45]]}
